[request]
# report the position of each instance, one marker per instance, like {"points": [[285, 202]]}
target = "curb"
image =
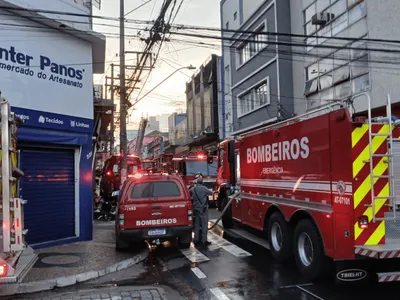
{"points": [[45, 285]]}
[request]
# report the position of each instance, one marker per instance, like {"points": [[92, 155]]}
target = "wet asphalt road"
{"points": [[231, 274], [233, 267]]}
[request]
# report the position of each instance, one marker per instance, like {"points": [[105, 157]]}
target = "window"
{"points": [[360, 66], [244, 53], [361, 84], [339, 67], [357, 13], [254, 99], [157, 189], [194, 167], [255, 43], [260, 39], [235, 16], [341, 14]]}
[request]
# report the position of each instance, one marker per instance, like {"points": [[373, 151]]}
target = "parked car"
{"points": [[111, 175], [154, 208]]}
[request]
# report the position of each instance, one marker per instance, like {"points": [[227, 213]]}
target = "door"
{"points": [[49, 187]]}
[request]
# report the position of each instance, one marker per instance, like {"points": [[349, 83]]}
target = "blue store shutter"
{"points": [[48, 185]]}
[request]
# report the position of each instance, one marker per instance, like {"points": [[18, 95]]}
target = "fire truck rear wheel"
{"points": [[280, 237], [309, 251]]}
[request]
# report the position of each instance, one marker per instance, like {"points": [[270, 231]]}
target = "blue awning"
{"points": [[31, 134]]}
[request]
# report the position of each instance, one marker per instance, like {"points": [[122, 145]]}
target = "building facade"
{"points": [[202, 106], [256, 71], [349, 64], [177, 129], [46, 74]]}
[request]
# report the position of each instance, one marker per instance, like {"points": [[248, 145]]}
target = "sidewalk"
{"points": [[66, 265], [111, 293]]}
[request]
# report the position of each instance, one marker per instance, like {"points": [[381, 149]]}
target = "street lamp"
{"points": [[190, 67]]}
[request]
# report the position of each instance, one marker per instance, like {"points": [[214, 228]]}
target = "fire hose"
{"points": [[234, 196]]}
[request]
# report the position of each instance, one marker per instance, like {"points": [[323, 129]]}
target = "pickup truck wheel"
{"points": [[185, 241], [120, 245], [280, 237], [309, 252], [227, 220]]}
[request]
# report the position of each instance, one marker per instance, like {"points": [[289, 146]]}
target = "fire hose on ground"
{"points": [[234, 196]]}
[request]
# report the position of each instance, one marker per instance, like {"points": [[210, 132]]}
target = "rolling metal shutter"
{"points": [[49, 187]]}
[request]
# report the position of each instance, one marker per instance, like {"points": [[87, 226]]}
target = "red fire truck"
{"points": [[188, 165], [321, 187]]}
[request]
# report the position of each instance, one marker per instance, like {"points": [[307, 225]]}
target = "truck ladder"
{"points": [[16, 258], [385, 121]]}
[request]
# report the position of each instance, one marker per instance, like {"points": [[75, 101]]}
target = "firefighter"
{"points": [[200, 195]]}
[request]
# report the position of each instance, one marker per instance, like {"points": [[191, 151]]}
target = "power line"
{"points": [[183, 26]]}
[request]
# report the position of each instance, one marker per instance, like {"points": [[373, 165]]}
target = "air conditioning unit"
{"points": [[321, 18]]}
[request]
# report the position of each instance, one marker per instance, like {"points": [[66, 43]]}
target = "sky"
{"points": [[170, 96]]}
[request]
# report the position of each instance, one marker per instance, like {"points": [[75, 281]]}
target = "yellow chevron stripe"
{"points": [[379, 203], [378, 234], [365, 187], [377, 141], [358, 133]]}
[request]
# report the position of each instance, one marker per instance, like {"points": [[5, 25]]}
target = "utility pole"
{"points": [[113, 110], [122, 114]]}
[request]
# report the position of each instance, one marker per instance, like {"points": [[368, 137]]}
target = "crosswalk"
{"points": [[197, 257]]}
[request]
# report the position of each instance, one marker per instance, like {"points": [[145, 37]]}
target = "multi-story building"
{"points": [[153, 123], [256, 72], [46, 73], [202, 106], [338, 60], [177, 129]]}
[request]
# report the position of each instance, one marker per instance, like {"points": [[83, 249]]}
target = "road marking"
{"points": [[198, 273], [194, 255], [227, 246], [309, 293], [219, 294]]}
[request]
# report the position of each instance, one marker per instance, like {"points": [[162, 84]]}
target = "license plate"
{"points": [[157, 231]]}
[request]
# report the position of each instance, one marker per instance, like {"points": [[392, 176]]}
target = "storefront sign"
{"points": [[34, 118], [47, 71]]}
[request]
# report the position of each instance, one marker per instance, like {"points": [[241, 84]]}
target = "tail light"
{"points": [[108, 173], [190, 215], [121, 218], [363, 222], [3, 270]]}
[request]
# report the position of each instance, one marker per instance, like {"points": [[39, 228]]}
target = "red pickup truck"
{"points": [[156, 208]]}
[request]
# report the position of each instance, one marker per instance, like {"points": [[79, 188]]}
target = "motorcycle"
{"points": [[105, 210]]}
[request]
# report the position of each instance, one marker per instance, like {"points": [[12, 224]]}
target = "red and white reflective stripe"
{"points": [[366, 252], [303, 185], [389, 277], [389, 254]]}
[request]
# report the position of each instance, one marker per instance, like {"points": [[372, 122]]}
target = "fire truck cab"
{"points": [[322, 188], [188, 166]]}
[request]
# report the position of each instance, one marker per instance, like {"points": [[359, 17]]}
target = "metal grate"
{"points": [[392, 229]]}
